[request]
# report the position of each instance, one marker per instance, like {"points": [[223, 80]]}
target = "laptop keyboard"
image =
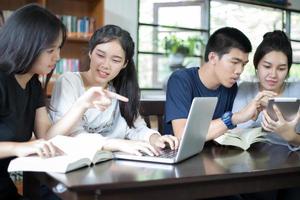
{"points": [[167, 153]]}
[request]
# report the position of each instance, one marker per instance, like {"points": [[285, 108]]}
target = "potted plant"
{"points": [[174, 45], [177, 49]]}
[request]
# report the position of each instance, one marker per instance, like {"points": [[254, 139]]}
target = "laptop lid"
{"points": [[194, 134]]}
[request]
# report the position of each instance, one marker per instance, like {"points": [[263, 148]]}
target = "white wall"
{"points": [[122, 13]]}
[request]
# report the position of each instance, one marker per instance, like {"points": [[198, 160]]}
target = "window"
{"points": [[159, 20], [185, 19], [295, 38]]}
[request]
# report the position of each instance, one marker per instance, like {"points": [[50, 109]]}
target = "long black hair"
{"points": [[125, 83], [27, 32], [274, 41]]}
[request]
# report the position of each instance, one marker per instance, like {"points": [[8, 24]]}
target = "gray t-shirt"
{"points": [[247, 92]]}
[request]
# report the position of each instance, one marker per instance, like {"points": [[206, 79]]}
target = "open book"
{"points": [[242, 138], [80, 151]]}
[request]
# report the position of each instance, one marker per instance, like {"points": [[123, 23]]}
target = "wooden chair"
{"points": [[153, 108]]}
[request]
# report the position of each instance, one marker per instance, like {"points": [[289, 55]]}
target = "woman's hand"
{"points": [[139, 148], [286, 129], [42, 148], [263, 97], [252, 110], [130, 146], [99, 98], [160, 141]]}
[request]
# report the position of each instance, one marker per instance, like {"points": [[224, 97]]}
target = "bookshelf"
{"points": [[76, 44]]}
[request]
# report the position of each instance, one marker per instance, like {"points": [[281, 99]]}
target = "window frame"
{"points": [[205, 18]]}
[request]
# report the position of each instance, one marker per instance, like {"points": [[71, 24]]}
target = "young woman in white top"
{"points": [[111, 66], [272, 61]]}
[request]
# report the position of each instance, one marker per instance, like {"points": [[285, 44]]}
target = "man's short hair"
{"points": [[226, 38]]}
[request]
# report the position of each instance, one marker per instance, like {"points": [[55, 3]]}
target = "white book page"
{"points": [[252, 135], [84, 145], [36, 163], [231, 139], [242, 138]]}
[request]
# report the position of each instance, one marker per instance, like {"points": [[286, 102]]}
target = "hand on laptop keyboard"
{"points": [[165, 153], [141, 148], [162, 142], [130, 146]]}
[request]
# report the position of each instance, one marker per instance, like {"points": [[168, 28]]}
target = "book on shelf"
{"points": [[67, 65], [78, 27], [83, 150], [242, 138]]}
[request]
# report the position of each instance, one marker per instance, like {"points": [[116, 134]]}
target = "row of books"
{"points": [[76, 26], [67, 65], [62, 66]]}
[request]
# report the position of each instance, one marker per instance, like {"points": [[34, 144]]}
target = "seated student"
{"points": [[30, 45], [272, 62], [226, 55], [111, 51]]}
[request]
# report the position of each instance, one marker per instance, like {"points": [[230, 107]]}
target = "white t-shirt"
{"points": [[247, 92], [109, 123]]}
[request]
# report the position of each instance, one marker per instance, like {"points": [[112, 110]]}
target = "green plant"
{"points": [[172, 45]]}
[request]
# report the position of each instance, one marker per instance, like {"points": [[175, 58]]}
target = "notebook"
{"points": [[194, 134]]}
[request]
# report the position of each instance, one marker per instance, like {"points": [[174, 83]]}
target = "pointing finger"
{"points": [[116, 96]]}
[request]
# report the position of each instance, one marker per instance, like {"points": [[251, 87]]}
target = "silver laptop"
{"points": [[193, 138]]}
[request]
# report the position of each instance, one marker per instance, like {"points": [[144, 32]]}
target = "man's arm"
{"points": [[216, 128], [178, 127]]}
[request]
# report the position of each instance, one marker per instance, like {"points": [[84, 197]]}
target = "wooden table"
{"points": [[216, 171]]}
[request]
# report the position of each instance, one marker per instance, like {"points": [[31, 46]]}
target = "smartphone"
{"points": [[288, 107]]}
